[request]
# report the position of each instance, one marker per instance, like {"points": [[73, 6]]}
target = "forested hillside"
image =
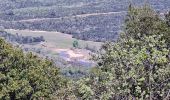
{"points": [[96, 20]]}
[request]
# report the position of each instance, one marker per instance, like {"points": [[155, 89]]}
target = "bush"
{"points": [[75, 44]]}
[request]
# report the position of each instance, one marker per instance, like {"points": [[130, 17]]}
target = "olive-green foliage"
{"points": [[145, 21], [167, 19], [167, 16], [26, 76], [75, 44], [137, 66]]}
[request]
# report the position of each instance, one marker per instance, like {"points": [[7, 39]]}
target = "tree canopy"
{"points": [[26, 76], [137, 66]]}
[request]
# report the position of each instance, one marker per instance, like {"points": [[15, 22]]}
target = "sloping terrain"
{"points": [[96, 20], [57, 47]]}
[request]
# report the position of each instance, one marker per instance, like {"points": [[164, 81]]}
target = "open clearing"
{"points": [[57, 39], [60, 44]]}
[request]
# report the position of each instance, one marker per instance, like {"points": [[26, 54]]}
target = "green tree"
{"points": [[167, 16], [75, 44], [167, 19], [145, 21], [26, 76], [137, 66]]}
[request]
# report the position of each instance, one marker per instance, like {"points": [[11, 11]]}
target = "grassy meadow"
{"points": [[57, 39]]}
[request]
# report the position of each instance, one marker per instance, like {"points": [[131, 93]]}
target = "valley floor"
{"points": [[59, 45]]}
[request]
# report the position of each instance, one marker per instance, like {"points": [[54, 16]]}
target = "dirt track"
{"points": [[82, 15]]}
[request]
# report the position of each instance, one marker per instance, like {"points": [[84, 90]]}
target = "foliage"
{"points": [[84, 19], [16, 38], [75, 44], [137, 66], [147, 22], [65, 93], [83, 90], [167, 16], [25, 76], [167, 19]]}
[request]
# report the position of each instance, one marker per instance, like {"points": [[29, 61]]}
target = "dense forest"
{"points": [[135, 67]]}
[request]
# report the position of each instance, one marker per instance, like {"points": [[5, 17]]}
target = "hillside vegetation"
{"points": [[96, 20], [26, 76], [134, 67]]}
